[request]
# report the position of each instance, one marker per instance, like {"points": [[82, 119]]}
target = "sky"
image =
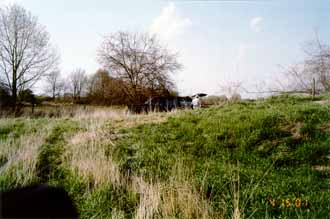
{"points": [[218, 41]]}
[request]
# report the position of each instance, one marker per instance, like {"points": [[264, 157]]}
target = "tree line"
{"points": [[99, 88], [134, 66]]}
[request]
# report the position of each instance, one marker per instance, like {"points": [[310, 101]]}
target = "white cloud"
{"points": [[169, 24], [256, 24], [9, 2]]}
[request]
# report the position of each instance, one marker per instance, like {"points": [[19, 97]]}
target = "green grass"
{"points": [[252, 150], [280, 137], [50, 169], [49, 166]]}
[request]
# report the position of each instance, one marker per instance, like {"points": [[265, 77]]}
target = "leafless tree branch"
{"points": [[25, 51], [139, 60]]}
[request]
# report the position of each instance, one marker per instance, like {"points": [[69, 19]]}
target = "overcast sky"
{"points": [[218, 41]]}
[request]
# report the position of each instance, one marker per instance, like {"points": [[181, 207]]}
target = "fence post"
{"points": [[313, 89]]}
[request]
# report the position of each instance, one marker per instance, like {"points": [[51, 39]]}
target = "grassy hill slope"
{"points": [[263, 159]]}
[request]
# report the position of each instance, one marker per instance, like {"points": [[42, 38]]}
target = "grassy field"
{"points": [[263, 159]]}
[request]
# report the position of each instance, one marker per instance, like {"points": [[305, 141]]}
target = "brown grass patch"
{"points": [[295, 130], [22, 155]]}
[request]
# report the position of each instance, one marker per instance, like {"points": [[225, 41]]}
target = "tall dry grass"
{"points": [[87, 151], [179, 197], [150, 198], [21, 154], [87, 155]]}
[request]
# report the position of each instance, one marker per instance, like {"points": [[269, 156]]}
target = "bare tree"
{"points": [[314, 70], [310, 75], [138, 60], [54, 83], [78, 80], [231, 89], [25, 51], [100, 83], [294, 78], [105, 90], [317, 63]]}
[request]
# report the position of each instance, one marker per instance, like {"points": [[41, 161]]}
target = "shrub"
{"points": [[5, 98]]}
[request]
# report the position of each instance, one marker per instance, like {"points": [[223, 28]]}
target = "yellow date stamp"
{"points": [[288, 203]]}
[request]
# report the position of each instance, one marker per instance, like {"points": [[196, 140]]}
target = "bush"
{"points": [[5, 98], [235, 98], [27, 96], [214, 100]]}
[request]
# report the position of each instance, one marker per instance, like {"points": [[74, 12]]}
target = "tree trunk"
{"points": [[54, 93], [313, 89], [14, 94]]}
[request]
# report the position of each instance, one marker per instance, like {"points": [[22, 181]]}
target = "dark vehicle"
{"points": [[161, 104]]}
